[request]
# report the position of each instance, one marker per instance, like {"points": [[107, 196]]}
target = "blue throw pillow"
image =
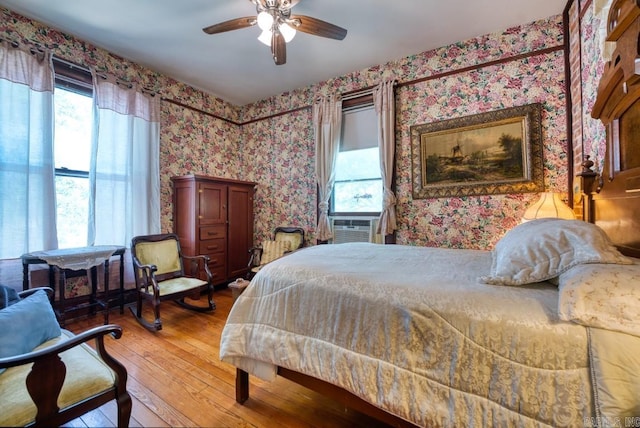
{"points": [[27, 324]]}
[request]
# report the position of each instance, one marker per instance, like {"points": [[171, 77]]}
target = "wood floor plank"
{"points": [[176, 378], [98, 418]]}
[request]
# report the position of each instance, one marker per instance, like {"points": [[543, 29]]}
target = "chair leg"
{"points": [[139, 306], [157, 325], [123, 403], [156, 311], [211, 306]]}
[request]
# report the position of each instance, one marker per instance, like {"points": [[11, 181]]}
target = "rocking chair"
{"points": [[159, 271]]}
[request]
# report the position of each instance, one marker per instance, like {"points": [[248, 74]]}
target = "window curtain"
{"points": [[601, 11], [124, 174], [27, 172], [327, 124], [384, 104]]}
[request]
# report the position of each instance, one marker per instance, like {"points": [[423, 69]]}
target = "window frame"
{"points": [[78, 80], [354, 103], [74, 78]]}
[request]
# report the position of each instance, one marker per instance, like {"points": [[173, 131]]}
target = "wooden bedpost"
{"points": [[588, 183], [242, 386]]}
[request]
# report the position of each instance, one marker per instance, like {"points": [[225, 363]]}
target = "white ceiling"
{"points": [[166, 36]]}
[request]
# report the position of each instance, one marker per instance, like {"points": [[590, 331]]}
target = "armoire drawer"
{"points": [[211, 246], [213, 232], [219, 273], [218, 266]]}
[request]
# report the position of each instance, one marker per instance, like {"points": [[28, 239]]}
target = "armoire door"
{"points": [[240, 237]]}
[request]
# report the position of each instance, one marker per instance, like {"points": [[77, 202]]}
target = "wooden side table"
{"points": [[74, 262], [237, 287]]}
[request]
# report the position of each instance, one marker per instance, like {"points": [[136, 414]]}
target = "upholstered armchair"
{"points": [[50, 376], [285, 240]]}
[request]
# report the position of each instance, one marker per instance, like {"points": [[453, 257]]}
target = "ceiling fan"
{"points": [[279, 26]]}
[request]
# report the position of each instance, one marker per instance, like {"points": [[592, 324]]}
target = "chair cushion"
{"points": [[272, 250], [294, 238], [87, 375], [26, 324], [177, 285], [163, 254]]}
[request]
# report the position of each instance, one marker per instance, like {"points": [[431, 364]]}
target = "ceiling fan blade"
{"points": [[317, 27], [288, 4], [232, 24], [278, 48]]}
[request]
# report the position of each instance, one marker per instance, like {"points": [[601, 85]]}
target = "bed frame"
{"points": [[611, 199], [327, 389]]}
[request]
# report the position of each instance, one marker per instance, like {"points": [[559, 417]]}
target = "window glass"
{"points": [[73, 113], [72, 145], [358, 185]]}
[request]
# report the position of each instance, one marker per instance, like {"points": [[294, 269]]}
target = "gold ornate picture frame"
{"points": [[497, 152]]}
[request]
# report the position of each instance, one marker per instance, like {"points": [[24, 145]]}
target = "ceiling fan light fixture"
{"points": [[265, 21], [278, 26], [265, 37], [287, 31]]}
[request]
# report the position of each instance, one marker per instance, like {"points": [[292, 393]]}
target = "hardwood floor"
{"points": [[176, 379]]}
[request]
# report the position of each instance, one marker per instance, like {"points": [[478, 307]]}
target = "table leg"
{"points": [[61, 283], [25, 276], [122, 283], [94, 290], [52, 280], [106, 291]]}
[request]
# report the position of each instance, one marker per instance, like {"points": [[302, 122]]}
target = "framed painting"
{"points": [[489, 153]]}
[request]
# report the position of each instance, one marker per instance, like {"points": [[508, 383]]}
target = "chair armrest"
{"points": [[138, 265], [204, 259], [47, 375], [148, 275], [255, 254], [97, 333], [29, 292]]}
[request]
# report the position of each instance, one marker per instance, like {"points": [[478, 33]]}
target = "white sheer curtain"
{"points": [[327, 124], [124, 177], [384, 104], [27, 172], [601, 11]]}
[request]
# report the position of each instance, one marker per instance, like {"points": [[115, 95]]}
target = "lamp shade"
{"points": [[265, 20], [265, 37], [287, 31], [549, 205]]}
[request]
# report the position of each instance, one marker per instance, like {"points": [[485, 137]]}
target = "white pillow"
{"points": [[602, 295], [542, 249]]}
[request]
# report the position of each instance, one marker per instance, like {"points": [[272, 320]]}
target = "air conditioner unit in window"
{"points": [[354, 230]]}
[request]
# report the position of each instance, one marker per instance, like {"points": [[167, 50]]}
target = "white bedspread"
{"points": [[413, 331]]}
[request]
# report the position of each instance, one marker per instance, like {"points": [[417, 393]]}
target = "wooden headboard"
{"points": [[614, 195]]}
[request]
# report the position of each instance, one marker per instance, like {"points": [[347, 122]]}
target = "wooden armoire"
{"points": [[214, 217]]}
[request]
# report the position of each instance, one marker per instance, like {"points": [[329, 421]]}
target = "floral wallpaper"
{"points": [[470, 222], [194, 143], [273, 143], [190, 141], [586, 40], [593, 132]]}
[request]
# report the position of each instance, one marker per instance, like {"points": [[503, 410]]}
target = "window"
{"points": [[358, 183], [73, 103]]}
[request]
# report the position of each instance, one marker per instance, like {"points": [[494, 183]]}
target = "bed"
{"points": [[416, 332], [543, 330]]}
